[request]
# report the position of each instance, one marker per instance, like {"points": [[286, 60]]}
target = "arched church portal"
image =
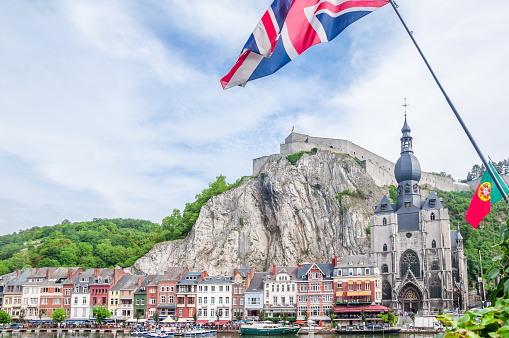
{"points": [[410, 298]]}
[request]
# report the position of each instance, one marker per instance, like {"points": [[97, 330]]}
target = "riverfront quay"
{"points": [[122, 334]]}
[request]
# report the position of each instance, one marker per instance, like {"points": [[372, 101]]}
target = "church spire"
{"points": [[406, 139]]}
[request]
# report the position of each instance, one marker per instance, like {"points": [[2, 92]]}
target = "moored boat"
{"points": [[267, 329]]}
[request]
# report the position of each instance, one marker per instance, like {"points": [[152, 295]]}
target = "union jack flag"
{"points": [[288, 28]]}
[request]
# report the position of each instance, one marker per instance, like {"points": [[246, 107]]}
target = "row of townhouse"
{"points": [[307, 290]]}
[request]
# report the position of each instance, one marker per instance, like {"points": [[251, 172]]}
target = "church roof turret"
{"points": [[407, 167]]}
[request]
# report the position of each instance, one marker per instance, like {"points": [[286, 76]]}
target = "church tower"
{"points": [[413, 245]]}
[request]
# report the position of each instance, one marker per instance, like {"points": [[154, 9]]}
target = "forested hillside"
{"points": [[484, 238], [99, 243]]}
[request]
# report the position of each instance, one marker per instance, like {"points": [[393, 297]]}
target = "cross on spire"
{"points": [[405, 105]]}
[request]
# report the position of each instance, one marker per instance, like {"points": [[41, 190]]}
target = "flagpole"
{"points": [[460, 120]]}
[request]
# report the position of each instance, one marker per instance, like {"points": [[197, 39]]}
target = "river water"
{"points": [[219, 335]]}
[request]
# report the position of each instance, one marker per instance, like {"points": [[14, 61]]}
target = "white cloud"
{"points": [[114, 109]]}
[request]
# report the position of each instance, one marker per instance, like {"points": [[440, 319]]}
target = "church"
{"points": [[420, 258]]}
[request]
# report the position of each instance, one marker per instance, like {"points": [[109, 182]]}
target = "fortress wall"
{"points": [[379, 168], [259, 163]]}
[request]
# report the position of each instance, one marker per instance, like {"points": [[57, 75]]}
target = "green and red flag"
{"points": [[485, 195]]}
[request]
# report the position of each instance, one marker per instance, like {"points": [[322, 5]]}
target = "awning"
{"points": [[75, 320], [168, 320], [359, 293], [350, 282], [185, 320], [300, 322], [221, 322], [366, 308], [202, 321], [319, 318]]}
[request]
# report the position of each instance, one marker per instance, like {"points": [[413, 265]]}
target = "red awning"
{"points": [[300, 322], [202, 321], [223, 322], [366, 308]]}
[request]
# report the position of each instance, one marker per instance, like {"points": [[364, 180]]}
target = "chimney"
{"points": [[152, 279], [31, 273], [335, 261], [139, 282], [273, 270], [37, 270], [47, 273], [69, 273], [96, 272], [115, 276], [18, 272]]}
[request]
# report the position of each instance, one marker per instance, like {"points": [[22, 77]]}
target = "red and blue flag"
{"points": [[288, 28]]}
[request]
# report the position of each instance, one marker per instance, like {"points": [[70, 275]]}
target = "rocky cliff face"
{"points": [[310, 211]]}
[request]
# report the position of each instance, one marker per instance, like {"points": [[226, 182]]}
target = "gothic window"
{"points": [[433, 244], [435, 290], [432, 216], [410, 261], [416, 188], [385, 247], [384, 221], [432, 203], [407, 188], [386, 290], [385, 268], [400, 190], [435, 265], [410, 295]]}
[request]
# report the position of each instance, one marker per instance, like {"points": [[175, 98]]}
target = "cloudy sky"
{"points": [[114, 108]]}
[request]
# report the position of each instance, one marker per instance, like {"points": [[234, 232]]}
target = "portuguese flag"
{"points": [[485, 195]]}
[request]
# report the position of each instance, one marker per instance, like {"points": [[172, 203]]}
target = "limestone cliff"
{"points": [[310, 211]]}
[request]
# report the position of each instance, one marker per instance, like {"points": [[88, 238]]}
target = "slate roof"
{"points": [[438, 203], [185, 281], [127, 282], [390, 208], [172, 274], [356, 259], [216, 280], [291, 270], [256, 284]]}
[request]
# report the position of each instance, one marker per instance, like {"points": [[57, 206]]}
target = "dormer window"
{"points": [[361, 262], [408, 204], [432, 203], [416, 188], [407, 188], [340, 272], [383, 207], [350, 263]]}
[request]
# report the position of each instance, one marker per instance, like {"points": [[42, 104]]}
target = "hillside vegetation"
{"points": [[484, 238], [100, 243]]}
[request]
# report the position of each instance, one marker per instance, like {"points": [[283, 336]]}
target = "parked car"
{"points": [[15, 326]]}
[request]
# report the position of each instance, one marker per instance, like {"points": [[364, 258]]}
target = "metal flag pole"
{"points": [[460, 120]]}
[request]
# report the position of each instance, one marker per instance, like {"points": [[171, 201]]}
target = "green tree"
{"points": [[42, 313], [100, 314], [155, 317], [262, 315], [238, 316], [22, 316], [137, 315], [306, 316], [332, 316], [4, 317], [58, 315], [491, 321], [195, 315]]}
